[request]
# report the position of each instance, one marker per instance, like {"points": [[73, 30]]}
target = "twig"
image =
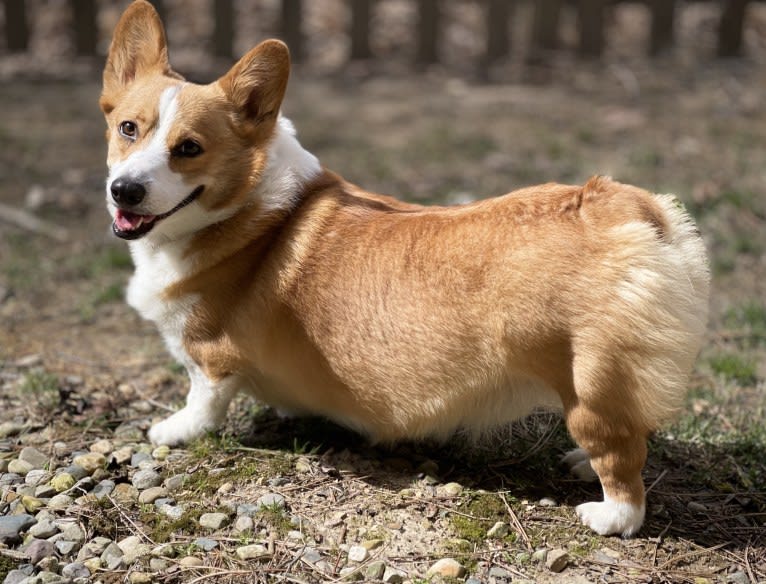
{"points": [[657, 480], [129, 520], [516, 523], [691, 555], [220, 573], [748, 567], [25, 220]]}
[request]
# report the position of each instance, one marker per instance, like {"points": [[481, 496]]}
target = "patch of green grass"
{"points": [[42, 387], [734, 368], [478, 516], [276, 518], [751, 318], [161, 529], [107, 260], [6, 565]]}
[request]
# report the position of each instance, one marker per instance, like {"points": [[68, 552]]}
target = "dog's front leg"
{"points": [[205, 410]]}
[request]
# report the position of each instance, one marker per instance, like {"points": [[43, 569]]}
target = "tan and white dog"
{"points": [[267, 273]]}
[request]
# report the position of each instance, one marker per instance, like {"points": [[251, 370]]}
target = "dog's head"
{"points": [[183, 156]]}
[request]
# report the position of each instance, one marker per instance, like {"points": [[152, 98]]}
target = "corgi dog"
{"points": [[267, 273]]}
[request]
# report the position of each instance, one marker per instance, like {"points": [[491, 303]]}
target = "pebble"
{"points": [[103, 446], [213, 520], [499, 530], [161, 452], [243, 523], [393, 576], [19, 467], [451, 489], [140, 578], [11, 527], [76, 471], [65, 547], [15, 577], [60, 502], [190, 561], [111, 558], [73, 532], [206, 544], [8, 479], [311, 555], [357, 553], [75, 570], [43, 529], [90, 461], [62, 482], [144, 479], [497, 572], [270, 501], [125, 493], [696, 507], [172, 512], [151, 494], [446, 568], [540, 555], [557, 560], [175, 482], [32, 504], [39, 549], [375, 570], [37, 477], [10, 429], [247, 509], [45, 491], [103, 489], [121, 455], [158, 565], [138, 457], [372, 544], [738, 577], [547, 502], [132, 549], [37, 459]]}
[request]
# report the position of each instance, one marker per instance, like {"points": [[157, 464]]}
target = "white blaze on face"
{"points": [[150, 165]]}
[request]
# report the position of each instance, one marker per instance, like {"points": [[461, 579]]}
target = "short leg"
{"points": [[205, 410], [617, 455]]}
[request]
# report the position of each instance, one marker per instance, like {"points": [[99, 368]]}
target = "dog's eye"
{"points": [[128, 130], [187, 149]]}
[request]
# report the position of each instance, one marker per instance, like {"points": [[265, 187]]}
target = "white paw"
{"points": [[578, 461], [183, 426], [610, 517]]}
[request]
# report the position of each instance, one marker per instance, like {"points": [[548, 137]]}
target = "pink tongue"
{"points": [[127, 221]]}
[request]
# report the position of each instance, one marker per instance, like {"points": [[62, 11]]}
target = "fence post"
{"points": [[361, 11], [292, 33], [663, 16], [223, 31], [16, 29], [498, 38], [730, 28], [591, 24], [428, 31], [85, 26]]}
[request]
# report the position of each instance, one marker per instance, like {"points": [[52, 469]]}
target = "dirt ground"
{"points": [[77, 365]]}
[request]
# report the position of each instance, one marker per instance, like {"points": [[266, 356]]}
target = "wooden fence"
{"points": [[498, 14]]}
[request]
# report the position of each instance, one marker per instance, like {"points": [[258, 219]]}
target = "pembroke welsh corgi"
{"points": [[267, 273]]}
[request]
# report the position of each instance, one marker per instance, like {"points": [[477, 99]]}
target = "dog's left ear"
{"points": [[138, 48], [256, 84]]}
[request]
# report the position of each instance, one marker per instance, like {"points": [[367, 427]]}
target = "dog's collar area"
{"points": [[129, 225]]}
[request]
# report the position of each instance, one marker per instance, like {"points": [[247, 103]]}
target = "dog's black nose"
{"points": [[127, 192]]}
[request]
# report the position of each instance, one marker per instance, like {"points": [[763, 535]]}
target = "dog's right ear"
{"points": [[138, 47]]}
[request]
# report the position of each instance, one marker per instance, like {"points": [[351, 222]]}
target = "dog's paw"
{"points": [[579, 465], [609, 517], [181, 427]]}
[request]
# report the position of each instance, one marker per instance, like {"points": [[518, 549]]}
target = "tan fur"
{"points": [[405, 321]]}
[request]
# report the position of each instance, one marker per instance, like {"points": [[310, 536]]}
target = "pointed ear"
{"points": [[138, 47], [256, 84]]}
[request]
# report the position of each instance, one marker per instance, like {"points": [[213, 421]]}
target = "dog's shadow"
{"points": [[706, 494]]}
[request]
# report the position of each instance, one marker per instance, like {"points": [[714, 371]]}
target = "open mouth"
{"points": [[129, 225]]}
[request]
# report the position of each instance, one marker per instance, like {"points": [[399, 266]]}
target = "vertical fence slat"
{"points": [[545, 25], [663, 18], [591, 22], [223, 29], [428, 31], [85, 26], [292, 28], [730, 28], [361, 12], [498, 37], [16, 29]]}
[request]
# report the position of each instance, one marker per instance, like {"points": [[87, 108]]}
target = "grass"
{"points": [[42, 388], [750, 318], [734, 367]]}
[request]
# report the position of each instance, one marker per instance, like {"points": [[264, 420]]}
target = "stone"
{"points": [[271, 501], [172, 512], [144, 479], [103, 446], [93, 548], [75, 570], [375, 570], [39, 549], [540, 555], [446, 568], [247, 509], [499, 573], [32, 504], [151, 494], [132, 549], [60, 502], [451, 489], [121, 455], [372, 544], [190, 561], [175, 482], [138, 457], [311, 555], [393, 576], [37, 459], [15, 577], [37, 477], [499, 530], [547, 502], [73, 532], [103, 489], [90, 461], [158, 565], [93, 564], [11, 527], [19, 467], [140, 578], [45, 491], [43, 529], [65, 547], [125, 493], [243, 523], [693, 506], [10, 429], [161, 452], [357, 553], [350, 574], [213, 520], [557, 560], [75, 470], [738, 577], [111, 558], [206, 544], [9, 479]]}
